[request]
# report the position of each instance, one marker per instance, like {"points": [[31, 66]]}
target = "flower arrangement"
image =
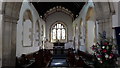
{"points": [[103, 51]]}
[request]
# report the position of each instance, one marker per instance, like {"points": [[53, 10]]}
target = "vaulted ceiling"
{"points": [[43, 7]]}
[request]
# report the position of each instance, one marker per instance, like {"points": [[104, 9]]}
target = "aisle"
{"points": [[58, 61]]}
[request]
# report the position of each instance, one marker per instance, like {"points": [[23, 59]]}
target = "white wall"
{"points": [[118, 4], [115, 18], [0, 35], [0, 40], [82, 28], [19, 48], [107, 26], [91, 35], [42, 38], [59, 16]]}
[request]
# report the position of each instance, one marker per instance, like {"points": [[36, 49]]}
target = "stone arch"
{"points": [[65, 27], [27, 20], [90, 28], [58, 9], [76, 36], [59, 22], [27, 15], [37, 31], [81, 22], [90, 13], [10, 12], [81, 36]]}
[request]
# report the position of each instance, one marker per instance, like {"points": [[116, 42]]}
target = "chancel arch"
{"points": [[58, 32], [58, 9]]}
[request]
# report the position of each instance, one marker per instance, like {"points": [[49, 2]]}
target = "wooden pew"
{"points": [[42, 58], [79, 59], [86, 55], [36, 59], [25, 61], [71, 58], [88, 58]]}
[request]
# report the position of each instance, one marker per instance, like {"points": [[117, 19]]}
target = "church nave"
{"points": [[58, 34]]}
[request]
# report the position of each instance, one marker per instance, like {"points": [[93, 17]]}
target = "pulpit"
{"points": [[58, 48]]}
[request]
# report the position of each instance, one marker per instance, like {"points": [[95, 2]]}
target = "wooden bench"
{"points": [[38, 59], [25, 61], [88, 58]]}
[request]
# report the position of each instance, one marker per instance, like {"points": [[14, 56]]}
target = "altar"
{"points": [[58, 48]]}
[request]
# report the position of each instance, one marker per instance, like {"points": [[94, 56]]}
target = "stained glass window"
{"points": [[58, 32], [63, 33], [54, 33]]}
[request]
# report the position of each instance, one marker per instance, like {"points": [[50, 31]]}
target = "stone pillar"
{"points": [[0, 40], [0, 34], [9, 41], [10, 14]]}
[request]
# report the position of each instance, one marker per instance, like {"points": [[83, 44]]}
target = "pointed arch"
{"points": [[37, 33], [90, 28], [58, 9], [27, 15], [58, 32], [90, 13], [27, 30]]}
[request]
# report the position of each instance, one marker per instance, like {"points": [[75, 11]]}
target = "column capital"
{"points": [[10, 19], [103, 20]]}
